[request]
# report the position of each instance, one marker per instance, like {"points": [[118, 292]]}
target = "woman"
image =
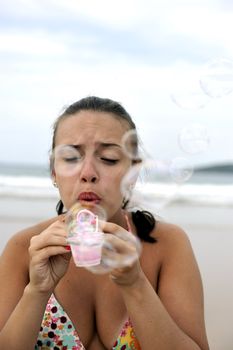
{"points": [[46, 302]]}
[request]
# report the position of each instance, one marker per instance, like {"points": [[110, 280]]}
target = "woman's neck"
{"points": [[121, 218]]}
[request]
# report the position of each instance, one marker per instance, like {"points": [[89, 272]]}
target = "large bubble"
{"points": [[75, 226], [217, 79], [193, 139], [149, 185], [189, 95], [118, 251], [66, 159]]}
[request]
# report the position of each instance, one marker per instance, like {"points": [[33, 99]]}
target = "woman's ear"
{"points": [[53, 176]]}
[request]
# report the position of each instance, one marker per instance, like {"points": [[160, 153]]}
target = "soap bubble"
{"points": [[180, 170], [132, 146], [217, 80], [118, 251], [129, 180], [193, 139], [189, 95], [66, 160], [74, 213], [148, 185], [189, 100]]}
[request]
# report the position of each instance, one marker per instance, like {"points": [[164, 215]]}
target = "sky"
{"points": [[170, 63]]}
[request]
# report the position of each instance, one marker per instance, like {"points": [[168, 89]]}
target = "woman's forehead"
{"points": [[86, 125]]}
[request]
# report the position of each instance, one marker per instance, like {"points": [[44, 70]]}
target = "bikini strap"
{"points": [[128, 223]]}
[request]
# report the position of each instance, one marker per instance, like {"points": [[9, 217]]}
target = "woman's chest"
{"points": [[112, 319], [97, 315], [95, 305]]}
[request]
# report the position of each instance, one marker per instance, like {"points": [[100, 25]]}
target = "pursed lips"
{"points": [[89, 197]]}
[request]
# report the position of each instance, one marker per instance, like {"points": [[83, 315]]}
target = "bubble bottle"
{"points": [[98, 252], [84, 236]]}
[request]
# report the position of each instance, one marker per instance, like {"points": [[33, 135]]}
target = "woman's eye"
{"points": [[71, 159], [109, 160]]}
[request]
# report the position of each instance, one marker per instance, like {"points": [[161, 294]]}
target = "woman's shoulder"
{"points": [[172, 250], [170, 236], [168, 231], [21, 239]]}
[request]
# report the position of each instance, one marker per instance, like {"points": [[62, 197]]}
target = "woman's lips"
{"points": [[89, 197]]}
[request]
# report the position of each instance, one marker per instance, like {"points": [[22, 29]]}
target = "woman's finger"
{"points": [[54, 235], [48, 252]]}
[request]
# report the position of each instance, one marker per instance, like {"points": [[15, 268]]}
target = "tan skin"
{"points": [[161, 292]]}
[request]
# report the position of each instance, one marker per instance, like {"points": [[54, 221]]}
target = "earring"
{"points": [[124, 203], [54, 184], [127, 198]]}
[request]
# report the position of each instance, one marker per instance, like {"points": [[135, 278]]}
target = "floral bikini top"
{"points": [[58, 333]]}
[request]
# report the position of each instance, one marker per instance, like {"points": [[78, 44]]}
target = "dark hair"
{"points": [[93, 103], [144, 221]]}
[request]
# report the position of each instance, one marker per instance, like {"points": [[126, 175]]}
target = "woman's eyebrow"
{"points": [[108, 144], [75, 146], [102, 145], [99, 144]]}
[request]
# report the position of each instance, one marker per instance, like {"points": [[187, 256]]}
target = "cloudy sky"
{"points": [[170, 63]]}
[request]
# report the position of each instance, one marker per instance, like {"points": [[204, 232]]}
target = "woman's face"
{"points": [[94, 168]]}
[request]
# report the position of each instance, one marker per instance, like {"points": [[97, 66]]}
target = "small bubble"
{"points": [[129, 180], [193, 139], [180, 170], [131, 145], [217, 80], [66, 160]]}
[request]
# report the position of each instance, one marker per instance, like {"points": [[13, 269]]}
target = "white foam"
{"points": [[27, 186], [41, 187], [192, 193]]}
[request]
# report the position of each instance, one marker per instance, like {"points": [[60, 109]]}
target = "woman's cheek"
{"points": [[66, 190]]}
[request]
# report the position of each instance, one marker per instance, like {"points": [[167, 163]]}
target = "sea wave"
{"points": [[27, 186], [41, 187], [194, 193]]}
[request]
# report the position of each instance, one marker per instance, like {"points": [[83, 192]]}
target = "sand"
{"points": [[210, 229]]}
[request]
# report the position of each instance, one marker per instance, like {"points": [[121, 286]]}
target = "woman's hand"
{"points": [[49, 257], [121, 250]]}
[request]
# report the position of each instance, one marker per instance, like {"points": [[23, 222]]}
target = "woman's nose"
{"points": [[89, 172]]}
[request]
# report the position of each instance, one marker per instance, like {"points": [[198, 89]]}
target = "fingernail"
{"points": [[68, 248]]}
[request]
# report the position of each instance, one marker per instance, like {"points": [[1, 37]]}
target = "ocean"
{"points": [[24, 180], [207, 185]]}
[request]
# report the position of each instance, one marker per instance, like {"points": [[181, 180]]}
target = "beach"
{"points": [[209, 227]]}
